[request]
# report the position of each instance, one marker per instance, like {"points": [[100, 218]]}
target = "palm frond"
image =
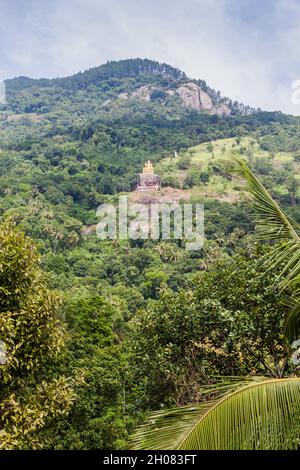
{"points": [[292, 324], [263, 415], [286, 258], [166, 429], [274, 223]]}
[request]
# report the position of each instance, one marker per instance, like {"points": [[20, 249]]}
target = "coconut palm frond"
{"points": [[166, 429], [260, 416], [263, 415], [292, 324], [274, 223], [286, 257]]}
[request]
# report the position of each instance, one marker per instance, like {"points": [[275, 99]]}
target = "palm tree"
{"points": [[263, 414], [275, 225]]}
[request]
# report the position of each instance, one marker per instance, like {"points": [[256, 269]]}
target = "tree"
{"points": [[210, 147], [204, 177], [184, 162], [292, 187], [33, 339], [229, 322], [168, 252], [98, 419], [243, 313]]}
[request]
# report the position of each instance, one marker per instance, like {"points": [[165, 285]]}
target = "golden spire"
{"points": [[148, 168]]}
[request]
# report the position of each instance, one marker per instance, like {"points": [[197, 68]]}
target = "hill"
{"points": [[148, 321], [140, 79], [78, 141]]}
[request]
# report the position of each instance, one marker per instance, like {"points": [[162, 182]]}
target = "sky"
{"points": [[247, 49]]}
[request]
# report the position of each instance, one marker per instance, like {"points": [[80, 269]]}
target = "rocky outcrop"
{"points": [[194, 97], [222, 110], [143, 93], [105, 103], [190, 93], [123, 96], [170, 92]]}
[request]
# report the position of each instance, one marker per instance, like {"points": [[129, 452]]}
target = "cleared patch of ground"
{"points": [[165, 195], [18, 117]]}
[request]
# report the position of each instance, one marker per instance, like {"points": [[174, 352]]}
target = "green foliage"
{"points": [[149, 323], [281, 137], [34, 339], [99, 418], [111, 71], [184, 163], [157, 95], [183, 340], [170, 180], [275, 224]]}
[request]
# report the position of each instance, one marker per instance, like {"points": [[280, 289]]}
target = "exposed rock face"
{"points": [[190, 93], [143, 93], [170, 92], [123, 96], [222, 110], [194, 97], [105, 103]]}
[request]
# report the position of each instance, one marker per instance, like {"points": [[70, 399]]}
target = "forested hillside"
{"points": [[136, 325]]}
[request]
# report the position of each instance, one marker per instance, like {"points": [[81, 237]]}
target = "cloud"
{"points": [[247, 49]]}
